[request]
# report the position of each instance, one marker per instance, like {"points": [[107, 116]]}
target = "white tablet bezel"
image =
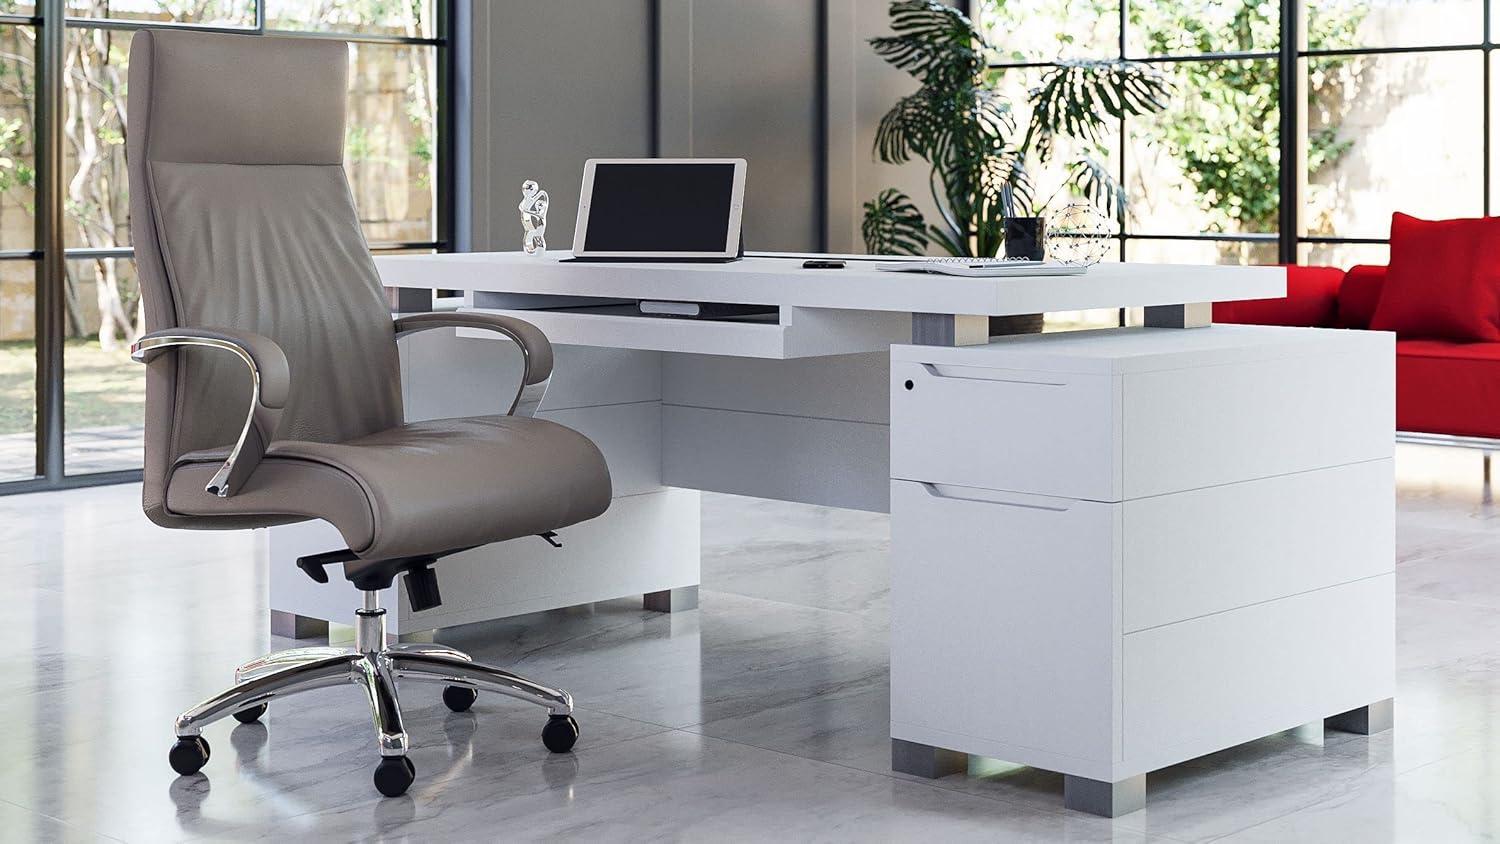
{"points": [[736, 209]]}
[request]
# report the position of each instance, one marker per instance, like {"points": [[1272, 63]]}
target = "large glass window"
{"points": [[1388, 113], [396, 106]]}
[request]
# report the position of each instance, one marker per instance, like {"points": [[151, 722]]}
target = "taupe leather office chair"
{"points": [[273, 388]]}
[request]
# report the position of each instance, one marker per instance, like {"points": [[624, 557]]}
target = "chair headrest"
{"points": [[236, 99]]}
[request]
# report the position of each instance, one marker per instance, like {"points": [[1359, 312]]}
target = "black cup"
{"points": [[1024, 237]]}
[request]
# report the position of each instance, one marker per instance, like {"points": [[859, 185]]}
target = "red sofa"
{"points": [[1442, 387]]}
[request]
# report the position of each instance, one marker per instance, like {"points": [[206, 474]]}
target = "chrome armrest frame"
{"points": [[143, 350], [528, 398]]}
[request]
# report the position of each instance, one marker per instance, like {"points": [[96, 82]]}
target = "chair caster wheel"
{"points": [[560, 733], [251, 715], [459, 698], [189, 755], [394, 775]]}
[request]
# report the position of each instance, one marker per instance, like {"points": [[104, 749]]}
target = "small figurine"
{"points": [[533, 209]]}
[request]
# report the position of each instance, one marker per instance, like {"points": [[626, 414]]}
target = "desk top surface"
{"points": [[782, 281]]}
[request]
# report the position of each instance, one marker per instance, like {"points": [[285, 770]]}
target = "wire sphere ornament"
{"points": [[1079, 235]]}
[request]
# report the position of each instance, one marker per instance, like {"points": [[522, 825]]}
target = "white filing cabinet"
{"points": [[1113, 551]]}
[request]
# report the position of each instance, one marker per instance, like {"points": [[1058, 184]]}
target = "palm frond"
{"points": [[1077, 95], [934, 42], [1092, 181], [893, 225]]}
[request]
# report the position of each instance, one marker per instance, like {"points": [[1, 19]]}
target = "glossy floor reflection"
{"points": [[761, 716]]}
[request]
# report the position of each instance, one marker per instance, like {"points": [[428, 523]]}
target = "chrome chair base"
{"points": [[376, 668]]}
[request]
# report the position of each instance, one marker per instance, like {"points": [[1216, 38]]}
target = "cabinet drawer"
{"points": [[1197, 427], [1003, 623], [1204, 551], [1041, 433], [1202, 685], [1164, 418]]}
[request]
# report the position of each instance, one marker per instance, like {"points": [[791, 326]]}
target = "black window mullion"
{"points": [[50, 219], [1486, 94], [1289, 179]]}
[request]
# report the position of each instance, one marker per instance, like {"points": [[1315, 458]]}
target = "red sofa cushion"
{"points": [[1359, 295], [1312, 298], [1448, 388], [1443, 281]]}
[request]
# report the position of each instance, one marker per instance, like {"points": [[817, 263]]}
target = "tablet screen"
{"points": [[660, 207]]}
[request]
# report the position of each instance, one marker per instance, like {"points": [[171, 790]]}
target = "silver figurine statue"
{"points": [[533, 209]]}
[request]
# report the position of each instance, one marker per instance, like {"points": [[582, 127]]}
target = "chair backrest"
{"points": [[241, 217]]}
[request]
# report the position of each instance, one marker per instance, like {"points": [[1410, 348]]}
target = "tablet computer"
{"points": [[660, 209]]}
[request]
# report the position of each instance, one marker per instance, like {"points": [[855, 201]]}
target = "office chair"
{"points": [[273, 389]]}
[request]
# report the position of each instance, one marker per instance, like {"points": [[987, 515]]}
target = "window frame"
{"points": [[1291, 61], [50, 254]]}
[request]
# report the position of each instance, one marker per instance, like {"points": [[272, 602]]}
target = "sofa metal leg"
{"points": [[1488, 494], [926, 761], [1366, 720], [1106, 799]]}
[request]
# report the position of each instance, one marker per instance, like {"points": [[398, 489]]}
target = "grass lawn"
{"points": [[102, 388]]}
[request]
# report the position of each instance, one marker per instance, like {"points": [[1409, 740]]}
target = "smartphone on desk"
{"points": [[823, 264]]}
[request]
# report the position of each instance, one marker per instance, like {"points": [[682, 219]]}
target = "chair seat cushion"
{"points": [[1448, 388], [419, 488]]}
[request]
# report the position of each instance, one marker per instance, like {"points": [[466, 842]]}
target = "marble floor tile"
{"points": [[736, 656], [1449, 800], [678, 786], [762, 716], [796, 554], [18, 824], [1462, 572]]}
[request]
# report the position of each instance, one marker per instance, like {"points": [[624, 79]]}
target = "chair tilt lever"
{"points": [[374, 575], [312, 565]]}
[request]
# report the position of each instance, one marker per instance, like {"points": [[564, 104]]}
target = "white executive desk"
{"points": [[1141, 498], [792, 407]]}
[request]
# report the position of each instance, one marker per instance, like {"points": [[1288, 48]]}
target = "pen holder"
{"points": [[1025, 237]]}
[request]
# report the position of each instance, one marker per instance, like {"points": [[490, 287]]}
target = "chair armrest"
{"points": [[270, 381], [1359, 295], [536, 350], [1311, 300]]}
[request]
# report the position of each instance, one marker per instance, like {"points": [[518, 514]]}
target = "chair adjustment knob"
{"points": [[422, 588]]}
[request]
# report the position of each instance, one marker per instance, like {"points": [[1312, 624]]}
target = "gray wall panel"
{"points": [[862, 87], [741, 80], [552, 84]]}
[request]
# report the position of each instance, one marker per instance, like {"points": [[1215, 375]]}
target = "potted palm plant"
{"points": [[980, 160]]}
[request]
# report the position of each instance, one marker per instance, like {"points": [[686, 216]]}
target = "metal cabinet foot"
{"points": [[1366, 720], [924, 760], [1106, 799], [295, 626], [672, 600]]}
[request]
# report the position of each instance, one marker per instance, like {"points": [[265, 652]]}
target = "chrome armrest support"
{"points": [[269, 382], [536, 350]]}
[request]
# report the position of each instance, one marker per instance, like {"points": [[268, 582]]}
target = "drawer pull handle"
{"points": [[933, 371], [932, 490]]}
